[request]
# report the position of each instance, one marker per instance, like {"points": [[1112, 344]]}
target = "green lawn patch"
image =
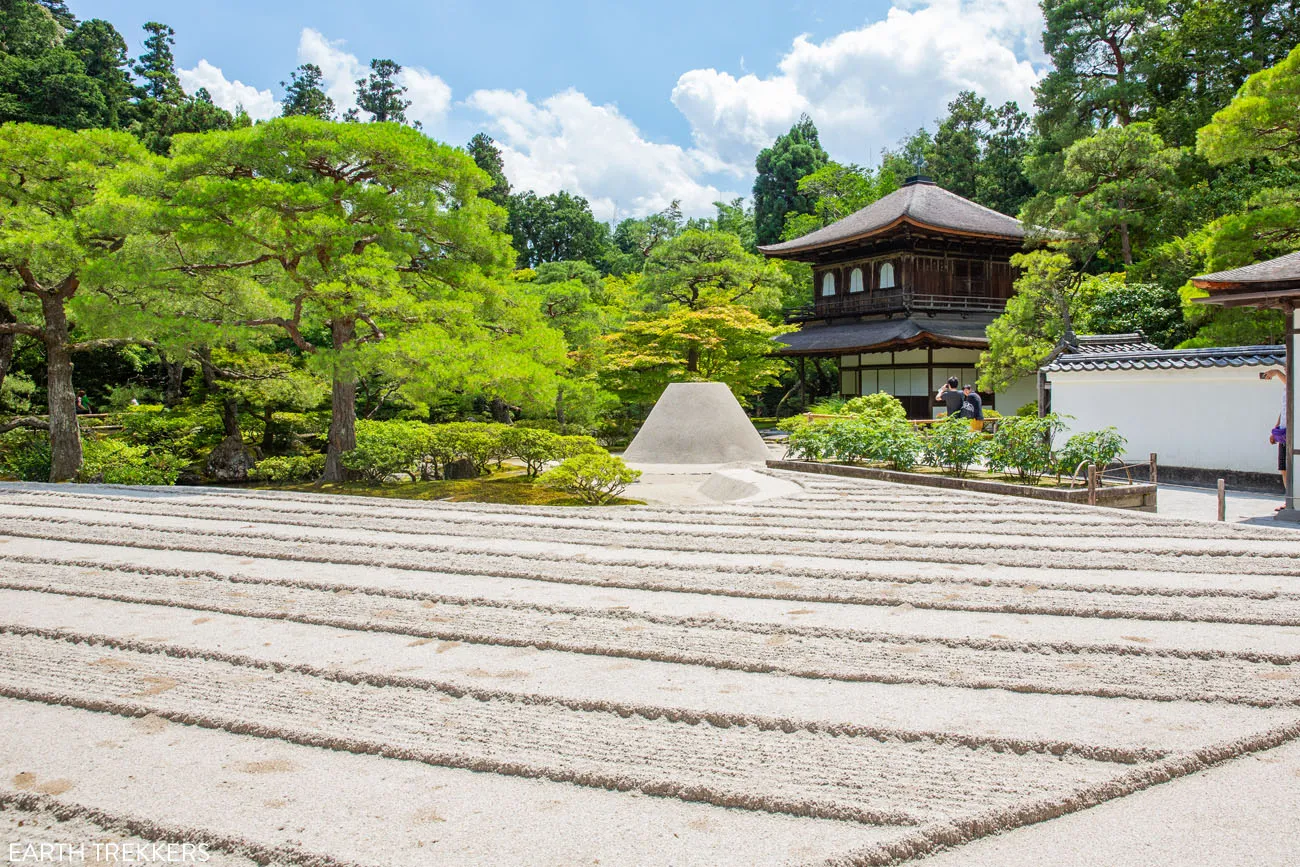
{"points": [[507, 488]]}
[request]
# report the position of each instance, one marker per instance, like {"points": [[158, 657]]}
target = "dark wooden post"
{"points": [[1154, 480], [803, 385]]}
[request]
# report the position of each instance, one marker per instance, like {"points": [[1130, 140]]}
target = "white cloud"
{"points": [[260, 104], [430, 96], [867, 88], [566, 142]]}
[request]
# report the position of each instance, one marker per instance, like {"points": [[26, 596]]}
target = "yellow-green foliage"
{"points": [[595, 478]]}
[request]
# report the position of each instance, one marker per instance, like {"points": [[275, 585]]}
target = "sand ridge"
{"points": [[844, 587]]}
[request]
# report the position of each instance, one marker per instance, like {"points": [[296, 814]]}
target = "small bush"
{"points": [[16, 393], [594, 478], [1100, 447], [25, 454], [808, 441], [828, 406], [572, 446], [182, 431], [898, 444], [298, 468], [1028, 409], [534, 446], [476, 441], [391, 448], [869, 439], [117, 462], [881, 405], [1023, 445], [953, 446], [616, 431]]}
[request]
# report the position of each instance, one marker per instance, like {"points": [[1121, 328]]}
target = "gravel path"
{"points": [[858, 673]]}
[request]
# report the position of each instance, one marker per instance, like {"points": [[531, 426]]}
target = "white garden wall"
{"points": [[1208, 418]]}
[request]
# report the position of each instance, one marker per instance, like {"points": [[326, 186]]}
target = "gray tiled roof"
{"points": [[920, 201], [1172, 359], [1281, 269], [1098, 344], [883, 333]]}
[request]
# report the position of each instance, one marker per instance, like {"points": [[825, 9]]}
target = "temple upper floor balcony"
{"points": [[901, 300]]}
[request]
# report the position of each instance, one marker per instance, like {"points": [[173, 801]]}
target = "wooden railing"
{"points": [[885, 302]]}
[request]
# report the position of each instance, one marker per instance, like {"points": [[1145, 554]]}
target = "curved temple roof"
{"points": [[919, 202], [885, 334], [1283, 269]]}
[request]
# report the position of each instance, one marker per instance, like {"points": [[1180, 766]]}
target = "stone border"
{"points": [[1136, 496]]}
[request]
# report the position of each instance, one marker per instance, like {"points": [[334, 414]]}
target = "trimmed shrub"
{"points": [[868, 439], [296, 468], [953, 446], [475, 441], [534, 446], [808, 441], [25, 454], [897, 444], [1028, 409], [1023, 445], [574, 445], [1100, 447], [186, 432], [117, 462], [391, 448], [880, 405], [594, 478], [828, 406]]}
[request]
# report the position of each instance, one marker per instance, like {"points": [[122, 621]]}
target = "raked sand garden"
{"points": [[851, 673]]}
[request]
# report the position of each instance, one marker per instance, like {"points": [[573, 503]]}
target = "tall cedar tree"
{"points": [[157, 65], [62, 236], [103, 53], [1095, 46], [304, 96], [487, 156], [380, 96], [780, 167], [372, 232]]}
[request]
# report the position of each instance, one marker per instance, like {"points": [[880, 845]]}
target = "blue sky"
{"points": [[631, 105]]}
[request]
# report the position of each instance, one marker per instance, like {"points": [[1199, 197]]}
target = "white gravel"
{"points": [[850, 672]]}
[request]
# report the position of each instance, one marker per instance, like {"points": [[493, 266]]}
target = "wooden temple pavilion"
{"points": [[903, 292], [1275, 283]]}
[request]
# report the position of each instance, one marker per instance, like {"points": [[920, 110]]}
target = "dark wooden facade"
{"points": [[929, 274]]}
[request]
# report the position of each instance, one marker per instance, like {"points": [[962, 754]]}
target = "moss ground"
{"points": [[507, 487]]}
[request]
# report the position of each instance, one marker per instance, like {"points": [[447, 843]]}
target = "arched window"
{"points": [[855, 280], [886, 276], [828, 283]]}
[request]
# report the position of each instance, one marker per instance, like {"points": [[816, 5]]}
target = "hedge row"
{"points": [[1021, 446]]}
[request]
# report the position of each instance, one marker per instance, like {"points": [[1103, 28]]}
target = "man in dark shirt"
{"points": [[950, 396], [972, 397]]}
